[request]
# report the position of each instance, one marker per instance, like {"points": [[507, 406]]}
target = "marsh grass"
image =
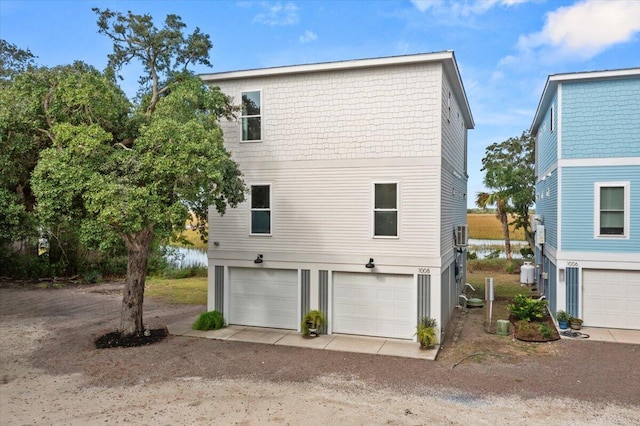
{"points": [[486, 226]]}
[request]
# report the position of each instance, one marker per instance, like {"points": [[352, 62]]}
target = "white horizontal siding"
{"points": [[329, 211]]}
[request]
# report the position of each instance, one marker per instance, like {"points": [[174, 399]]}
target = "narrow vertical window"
{"points": [[551, 120], [449, 107], [261, 209], [251, 118], [385, 211]]}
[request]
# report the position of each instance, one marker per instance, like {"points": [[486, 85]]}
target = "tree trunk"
{"points": [[139, 247], [504, 220]]}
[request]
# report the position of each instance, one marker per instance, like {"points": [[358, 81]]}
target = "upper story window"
{"points": [[612, 209], [385, 210], [251, 118], [551, 120], [261, 209]]}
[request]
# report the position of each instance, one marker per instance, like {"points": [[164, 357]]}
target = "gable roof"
{"points": [[447, 58], [553, 80]]}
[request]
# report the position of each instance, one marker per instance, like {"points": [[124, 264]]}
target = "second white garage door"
{"points": [[611, 298], [373, 305], [263, 297]]}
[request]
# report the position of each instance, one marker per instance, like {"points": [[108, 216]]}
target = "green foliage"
{"points": [[524, 328], [316, 318], [528, 309], [472, 255], [509, 168], [23, 266], [494, 265], [212, 320], [188, 272], [545, 330], [510, 267], [562, 316], [426, 332]]}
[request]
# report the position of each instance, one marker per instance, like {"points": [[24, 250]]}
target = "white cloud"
{"points": [[586, 28], [464, 7], [278, 14], [308, 36]]}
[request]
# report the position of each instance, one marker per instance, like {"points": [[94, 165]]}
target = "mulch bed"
{"points": [[532, 332], [116, 339]]}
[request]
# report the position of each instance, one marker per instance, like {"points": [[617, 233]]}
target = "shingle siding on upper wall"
{"points": [[453, 179], [601, 119], [379, 112], [547, 207], [547, 149], [578, 208]]}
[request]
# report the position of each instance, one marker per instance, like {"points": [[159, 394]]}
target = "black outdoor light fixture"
{"points": [[258, 259], [370, 265]]}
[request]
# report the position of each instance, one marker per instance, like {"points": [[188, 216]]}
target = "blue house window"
{"points": [[612, 209]]}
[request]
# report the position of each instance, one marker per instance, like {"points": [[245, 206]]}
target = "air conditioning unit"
{"points": [[461, 235]]}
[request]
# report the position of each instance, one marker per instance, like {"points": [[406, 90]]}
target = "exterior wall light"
{"points": [[370, 265], [258, 259]]}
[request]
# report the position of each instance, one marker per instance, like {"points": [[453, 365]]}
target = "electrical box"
{"points": [[461, 235], [539, 234]]}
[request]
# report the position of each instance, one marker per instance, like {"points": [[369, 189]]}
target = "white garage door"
{"points": [[611, 298], [373, 305], [263, 297]]}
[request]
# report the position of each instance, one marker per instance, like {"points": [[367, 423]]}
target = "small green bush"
{"points": [[545, 330], [212, 320], [317, 319], [524, 328], [510, 268], [426, 332], [528, 309]]}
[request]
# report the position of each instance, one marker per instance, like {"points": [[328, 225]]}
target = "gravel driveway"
{"points": [[51, 374]]}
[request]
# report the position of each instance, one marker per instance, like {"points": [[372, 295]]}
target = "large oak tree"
{"points": [[144, 183]]}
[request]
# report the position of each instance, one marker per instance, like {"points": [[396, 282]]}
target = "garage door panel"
{"points": [[611, 298], [373, 304], [263, 297]]}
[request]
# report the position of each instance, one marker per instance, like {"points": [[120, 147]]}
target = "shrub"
{"points": [[212, 320], [528, 309], [524, 328], [563, 316], [316, 318], [545, 331], [510, 268], [426, 332], [472, 255]]}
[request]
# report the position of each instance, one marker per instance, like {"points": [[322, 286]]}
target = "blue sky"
{"points": [[505, 48]]}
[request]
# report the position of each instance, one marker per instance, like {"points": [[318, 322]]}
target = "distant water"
{"points": [[183, 257], [484, 248]]}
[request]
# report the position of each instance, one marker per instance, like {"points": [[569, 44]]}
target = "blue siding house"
{"points": [[587, 130]]}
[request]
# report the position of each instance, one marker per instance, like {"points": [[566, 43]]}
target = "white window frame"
{"points": [[374, 210], [261, 116], [627, 210], [270, 209]]}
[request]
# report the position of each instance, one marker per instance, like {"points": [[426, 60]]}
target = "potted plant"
{"points": [[563, 319], [426, 332], [312, 321], [576, 323]]}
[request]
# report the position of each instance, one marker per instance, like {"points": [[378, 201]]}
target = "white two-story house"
{"points": [[357, 173]]}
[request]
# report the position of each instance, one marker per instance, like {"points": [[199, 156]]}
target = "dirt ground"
{"points": [[50, 373]]}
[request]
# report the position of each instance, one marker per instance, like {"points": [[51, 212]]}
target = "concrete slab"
{"points": [[407, 349], [596, 334], [626, 336], [180, 328], [259, 335], [296, 339], [224, 333], [360, 344]]}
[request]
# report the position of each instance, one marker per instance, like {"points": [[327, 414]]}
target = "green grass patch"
{"points": [[188, 291]]}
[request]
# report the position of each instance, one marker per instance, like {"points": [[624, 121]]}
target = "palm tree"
{"points": [[484, 199]]}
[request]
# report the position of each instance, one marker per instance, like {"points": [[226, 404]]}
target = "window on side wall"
{"points": [[260, 209], [612, 210], [551, 120], [251, 119], [385, 211]]}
